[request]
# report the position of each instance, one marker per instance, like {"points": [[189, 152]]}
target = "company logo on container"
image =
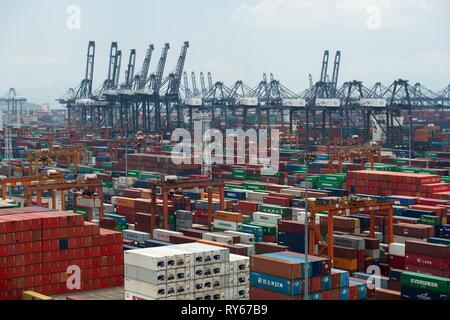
{"points": [[271, 283], [424, 283]]}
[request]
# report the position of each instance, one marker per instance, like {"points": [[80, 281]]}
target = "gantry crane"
{"points": [[345, 208], [162, 188], [350, 153], [88, 184], [50, 176], [77, 154]]}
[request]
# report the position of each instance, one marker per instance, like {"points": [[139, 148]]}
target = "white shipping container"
{"points": [[246, 238], [146, 289], [88, 202], [137, 236], [217, 238], [256, 196], [397, 249], [266, 218], [146, 258], [136, 296], [164, 235], [145, 275], [239, 263], [227, 225]]}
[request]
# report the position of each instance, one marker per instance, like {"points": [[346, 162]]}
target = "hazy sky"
{"points": [[380, 40]]}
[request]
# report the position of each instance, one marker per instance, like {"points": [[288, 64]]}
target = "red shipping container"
{"points": [[427, 262], [277, 201], [247, 207], [397, 262]]}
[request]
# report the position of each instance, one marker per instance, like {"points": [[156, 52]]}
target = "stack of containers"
{"points": [[183, 220], [385, 183], [281, 276], [406, 231], [192, 271], [397, 256], [427, 258], [269, 223], [350, 254], [37, 249], [224, 221], [292, 235]]}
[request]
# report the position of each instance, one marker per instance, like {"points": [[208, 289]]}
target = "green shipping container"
{"points": [[267, 208], [232, 186], [430, 220], [427, 282], [239, 173], [254, 186], [268, 230]]}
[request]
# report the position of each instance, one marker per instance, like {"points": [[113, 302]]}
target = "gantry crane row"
{"points": [[158, 76], [26, 181], [142, 78], [77, 154], [210, 81], [202, 83], [324, 70], [129, 73], [342, 210], [350, 153], [162, 188], [90, 186], [337, 64], [194, 84]]}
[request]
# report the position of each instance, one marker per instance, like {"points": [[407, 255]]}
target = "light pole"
{"points": [[307, 158], [126, 155]]}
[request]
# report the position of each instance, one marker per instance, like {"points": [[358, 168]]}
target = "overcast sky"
{"points": [[380, 40]]}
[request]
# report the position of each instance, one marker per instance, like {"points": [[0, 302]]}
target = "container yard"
{"points": [[140, 185]]}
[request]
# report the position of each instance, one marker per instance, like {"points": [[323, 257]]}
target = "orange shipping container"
{"points": [[125, 202], [345, 264], [228, 216]]}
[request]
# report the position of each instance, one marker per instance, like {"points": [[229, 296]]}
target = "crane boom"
{"points": [[323, 73], [194, 84], [175, 85], [117, 69], [145, 67], [129, 74], [160, 70], [186, 85], [210, 81], [337, 63], [202, 83]]}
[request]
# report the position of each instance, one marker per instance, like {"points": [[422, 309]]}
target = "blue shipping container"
{"points": [[276, 284]]}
